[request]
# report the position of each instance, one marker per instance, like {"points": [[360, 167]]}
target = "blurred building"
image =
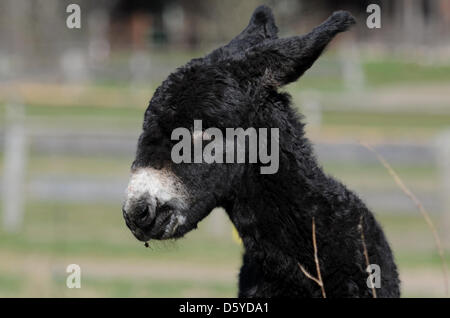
{"points": [[139, 23], [34, 35]]}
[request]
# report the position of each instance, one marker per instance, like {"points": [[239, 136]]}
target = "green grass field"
{"points": [[56, 234], [115, 264]]}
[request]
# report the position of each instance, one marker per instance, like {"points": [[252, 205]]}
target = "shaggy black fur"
{"points": [[236, 86]]}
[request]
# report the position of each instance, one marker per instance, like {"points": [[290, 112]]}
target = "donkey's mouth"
{"points": [[163, 226]]}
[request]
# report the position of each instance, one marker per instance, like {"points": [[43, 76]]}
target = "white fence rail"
{"points": [[20, 138]]}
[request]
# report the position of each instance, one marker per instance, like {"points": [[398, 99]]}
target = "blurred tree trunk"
{"points": [[192, 9], [413, 21]]}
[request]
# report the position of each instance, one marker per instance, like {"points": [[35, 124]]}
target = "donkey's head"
{"points": [[223, 89]]}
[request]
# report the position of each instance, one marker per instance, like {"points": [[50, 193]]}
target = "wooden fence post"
{"points": [[443, 160], [15, 153]]}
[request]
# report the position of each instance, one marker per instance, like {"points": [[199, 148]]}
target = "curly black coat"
{"points": [[237, 86]]}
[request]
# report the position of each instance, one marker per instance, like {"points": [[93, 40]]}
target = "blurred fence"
{"points": [[22, 137]]}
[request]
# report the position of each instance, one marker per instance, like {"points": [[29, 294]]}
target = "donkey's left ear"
{"points": [[281, 61], [260, 28]]}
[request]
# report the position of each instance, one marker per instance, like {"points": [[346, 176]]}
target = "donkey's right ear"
{"points": [[281, 61], [261, 27]]}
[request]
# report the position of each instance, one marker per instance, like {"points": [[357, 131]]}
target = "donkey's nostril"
{"points": [[139, 213], [142, 212], [144, 217], [163, 208]]}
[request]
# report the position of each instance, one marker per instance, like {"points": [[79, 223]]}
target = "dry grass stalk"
{"points": [[366, 254], [317, 280], [421, 208]]}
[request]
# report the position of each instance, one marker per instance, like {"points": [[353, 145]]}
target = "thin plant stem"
{"points": [[421, 208], [318, 280], [366, 254]]}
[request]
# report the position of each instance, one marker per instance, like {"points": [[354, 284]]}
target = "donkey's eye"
{"points": [[206, 136], [201, 135], [197, 135]]}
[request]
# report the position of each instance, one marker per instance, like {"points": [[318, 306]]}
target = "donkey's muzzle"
{"points": [[141, 212], [140, 216], [148, 219]]}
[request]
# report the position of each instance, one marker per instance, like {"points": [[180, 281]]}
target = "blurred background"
{"points": [[71, 109]]}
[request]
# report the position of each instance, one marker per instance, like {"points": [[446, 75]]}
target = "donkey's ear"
{"points": [[260, 28], [281, 61]]}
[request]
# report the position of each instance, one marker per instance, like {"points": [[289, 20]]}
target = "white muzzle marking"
{"points": [[160, 186]]}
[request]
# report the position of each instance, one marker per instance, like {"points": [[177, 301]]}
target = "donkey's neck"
{"points": [[276, 210], [280, 206]]}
